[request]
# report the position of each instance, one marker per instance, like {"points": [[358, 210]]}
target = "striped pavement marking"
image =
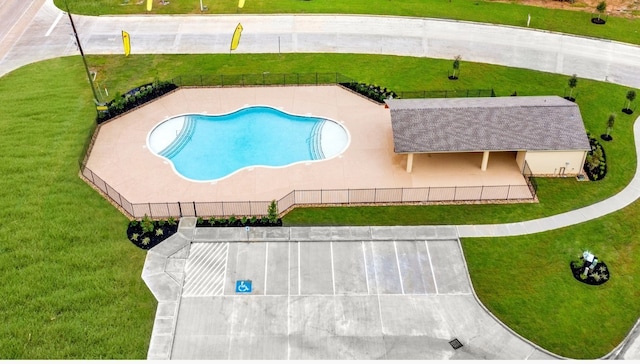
{"points": [[205, 270]]}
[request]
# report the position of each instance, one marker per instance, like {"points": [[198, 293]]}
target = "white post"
{"points": [[528, 20], [485, 160], [201, 8], [409, 162]]}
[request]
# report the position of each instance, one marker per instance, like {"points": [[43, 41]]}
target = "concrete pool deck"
{"points": [[120, 155]]}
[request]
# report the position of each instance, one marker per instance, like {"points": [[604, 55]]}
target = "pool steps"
{"points": [[188, 128], [315, 141]]}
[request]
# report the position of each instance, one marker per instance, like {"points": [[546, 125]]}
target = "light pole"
{"points": [[86, 67]]}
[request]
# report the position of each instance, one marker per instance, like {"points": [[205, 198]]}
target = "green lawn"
{"points": [[71, 279], [508, 13], [71, 286]]}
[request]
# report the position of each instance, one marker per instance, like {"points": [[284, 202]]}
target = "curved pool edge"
{"points": [[330, 129]]}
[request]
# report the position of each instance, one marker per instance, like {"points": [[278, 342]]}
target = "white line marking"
{"points": [[289, 301], [398, 263], [433, 273], [266, 264], [333, 273], [55, 22], [366, 273], [299, 268]]}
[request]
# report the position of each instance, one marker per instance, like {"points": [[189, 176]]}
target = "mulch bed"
{"points": [[597, 276]]}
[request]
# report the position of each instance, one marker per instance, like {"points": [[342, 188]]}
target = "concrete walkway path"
{"points": [[47, 34]]}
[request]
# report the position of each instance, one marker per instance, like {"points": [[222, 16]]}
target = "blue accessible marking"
{"points": [[243, 287]]}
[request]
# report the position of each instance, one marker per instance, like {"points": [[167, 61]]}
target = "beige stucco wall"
{"points": [[552, 162]]}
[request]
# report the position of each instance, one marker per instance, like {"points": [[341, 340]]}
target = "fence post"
{"points": [[481, 192], [149, 205], [455, 192], [222, 207], [508, 192], [180, 208], [195, 212]]}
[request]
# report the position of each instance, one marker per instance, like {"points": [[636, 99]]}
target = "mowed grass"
{"points": [[508, 13], [71, 279], [527, 283], [71, 286]]}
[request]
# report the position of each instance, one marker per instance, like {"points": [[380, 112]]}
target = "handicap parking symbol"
{"points": [[243, 287]]}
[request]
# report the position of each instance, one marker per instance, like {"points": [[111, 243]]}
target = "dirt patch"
{"points": [[624, 8]]}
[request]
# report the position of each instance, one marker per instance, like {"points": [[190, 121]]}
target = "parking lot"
{"points": [[341, 298]]}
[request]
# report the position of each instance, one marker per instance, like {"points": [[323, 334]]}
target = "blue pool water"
{"points": [[210, 147]]}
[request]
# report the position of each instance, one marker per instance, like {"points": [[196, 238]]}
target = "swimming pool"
{"points": [[210, 147]]}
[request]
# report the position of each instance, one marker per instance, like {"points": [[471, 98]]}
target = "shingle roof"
{"points": [[486, 123]]}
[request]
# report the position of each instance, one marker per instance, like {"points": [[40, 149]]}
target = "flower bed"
{"points": [[147, 233]]}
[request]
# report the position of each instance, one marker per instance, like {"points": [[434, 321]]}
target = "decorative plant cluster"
{"points": [[271, 219], [134, 98], [373, 92], [147, 233], [595, 164], [595, 276]]}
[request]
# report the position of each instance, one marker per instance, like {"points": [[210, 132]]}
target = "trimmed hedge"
{"points": [[134, 98], [373, 92], [595, 165]]}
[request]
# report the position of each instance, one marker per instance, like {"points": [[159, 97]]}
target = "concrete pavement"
{"points": [[47, 35], [321, 293]]}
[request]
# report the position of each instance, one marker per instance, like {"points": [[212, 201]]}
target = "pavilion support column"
{"points": [[409, 162], [485, 160]]}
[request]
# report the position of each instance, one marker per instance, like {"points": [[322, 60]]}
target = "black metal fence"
{"points": [[302, 79], [262, 79], [295, 198]]}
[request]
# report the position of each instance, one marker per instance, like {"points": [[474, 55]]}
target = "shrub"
{"points": [[134, 98], [147, 224], [595, 163], [372, 92], [272, 212]]}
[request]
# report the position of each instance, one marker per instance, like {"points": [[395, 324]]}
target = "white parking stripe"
{"points": [[366, 271], [433, 273], [333, 272], [55, 22], [395, 247]]}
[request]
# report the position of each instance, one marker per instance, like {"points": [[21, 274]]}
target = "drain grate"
{"points": [[455, 343]]}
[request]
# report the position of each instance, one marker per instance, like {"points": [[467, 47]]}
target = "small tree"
{"points": [[602, 6], [631, 95], [610, 122], [573, 82], [272, 212], [456, 67]]}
